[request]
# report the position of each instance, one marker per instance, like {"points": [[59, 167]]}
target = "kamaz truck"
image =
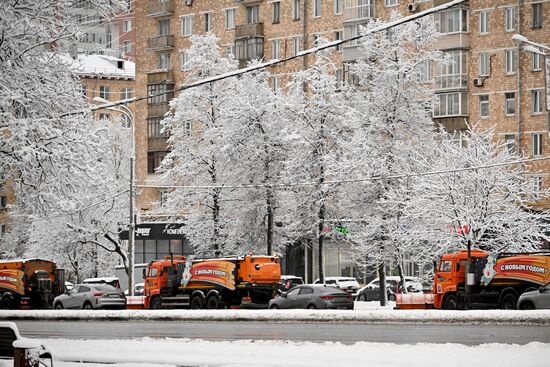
{"points": [[180, 282]]}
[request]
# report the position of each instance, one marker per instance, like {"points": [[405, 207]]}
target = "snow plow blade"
{"points": [[414, 301], [134, 302]]}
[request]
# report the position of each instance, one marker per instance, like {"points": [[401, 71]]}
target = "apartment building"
{"points": [[491, 80]]}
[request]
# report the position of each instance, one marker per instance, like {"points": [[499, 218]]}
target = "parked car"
{"points": [[139, 288], [115, 282], [313, 296], [347, 284], [536, 299], [371, 291], [91, 296], [288, 282], [68, 286]]}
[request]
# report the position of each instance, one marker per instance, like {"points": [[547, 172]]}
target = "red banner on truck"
{"points": [[216, 272], [12, 280], [532, 268]]}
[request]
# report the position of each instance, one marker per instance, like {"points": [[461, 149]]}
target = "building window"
{"points": [[249, 48], [391, 2], [155, 90], [276, 49], [537, 144], [104, 92], [207, 22], [104, 116], [339, 78], [187, 25], [510, 141], [127, 47], [510, 103], [536, 102], [450, 104], [127, 25], [510, 19], [2, 230], [184, 61], [537, 64], [511, 61], [317, 8], [483, 22], [230, 51], [338, 7], [3, 202], [296, 10], [126, 93], [154, 159], [83, 90], [484, 65], [338, 36], [275, 84], [537, 182], [452, 21], [454, 73], [164, 27], [425, 74], [296, 45], [253, 14], [164, 60], [537, 15], [154, 128], [229, 18], [316, 38], [275, 12], [484, 106]]}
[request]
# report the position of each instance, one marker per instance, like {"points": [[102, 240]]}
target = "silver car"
{"points": [[535, 299], [313, 296], [91, 296]]}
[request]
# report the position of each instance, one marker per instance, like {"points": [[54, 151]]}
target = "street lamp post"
{"points": [[132, 227]]}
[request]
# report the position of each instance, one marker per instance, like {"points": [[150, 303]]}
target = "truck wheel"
{"points": [[450, 302], [196, 303], [527, 305], [7, 302], [213, 303], [156, 304], [362, 298], [508, 302]]}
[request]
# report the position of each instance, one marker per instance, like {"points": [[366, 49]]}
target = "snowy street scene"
{"points": [[280, 183]]}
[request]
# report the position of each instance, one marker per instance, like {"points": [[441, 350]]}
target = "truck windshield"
{"points": [[152, 272]]}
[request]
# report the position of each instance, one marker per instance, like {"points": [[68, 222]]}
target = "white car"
{"points": [[370, 291], [348, 284]]}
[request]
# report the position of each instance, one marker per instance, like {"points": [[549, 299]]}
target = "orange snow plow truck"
{"points": [[178, 282], [496, 280], [29, 283]]}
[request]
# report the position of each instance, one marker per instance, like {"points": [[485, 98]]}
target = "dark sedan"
{"points": [[313, 296]]}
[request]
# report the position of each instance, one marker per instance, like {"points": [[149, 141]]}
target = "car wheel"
{"points": [[196, 303], [450, 302], [156, 304], [362, 297], [274, 307], [87, 306], [508, 302], [58, 306], [311, 307], [526, 305]]}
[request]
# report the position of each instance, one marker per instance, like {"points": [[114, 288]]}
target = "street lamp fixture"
{"points": [[131, 230]]}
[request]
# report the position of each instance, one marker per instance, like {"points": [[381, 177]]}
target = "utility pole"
{"points": [[131, 232]]}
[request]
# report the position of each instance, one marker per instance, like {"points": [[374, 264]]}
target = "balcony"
{"points": [[248, 2], [160, 76], [356, 10], [160, 43], [453, 81], [160, 8], [453, 41], [158, 110], [249, 30]]}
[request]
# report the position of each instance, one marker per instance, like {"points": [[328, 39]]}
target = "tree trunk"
{"points": [[403, 288], [382, 289], [321, 217], [269, 203]]}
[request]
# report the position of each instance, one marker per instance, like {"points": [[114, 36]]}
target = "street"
{"points": [[346, 332]]}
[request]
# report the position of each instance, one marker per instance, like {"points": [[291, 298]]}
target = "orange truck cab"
{"points": [[497, 280], [211, 283]]}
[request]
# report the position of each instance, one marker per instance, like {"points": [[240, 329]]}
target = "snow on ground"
{"points": [[187, 352], [364, 312]]}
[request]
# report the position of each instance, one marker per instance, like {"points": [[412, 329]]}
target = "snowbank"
{"points": [[187, 352], [366, 312]]}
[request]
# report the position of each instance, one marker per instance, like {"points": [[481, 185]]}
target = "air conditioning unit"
{"points": [[412, 7], [188, 2], [478, 82]]}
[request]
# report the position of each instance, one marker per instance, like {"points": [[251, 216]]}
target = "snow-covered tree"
{"points": [[393, 119], [316, 111], [199, 145], [488, 208]]}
